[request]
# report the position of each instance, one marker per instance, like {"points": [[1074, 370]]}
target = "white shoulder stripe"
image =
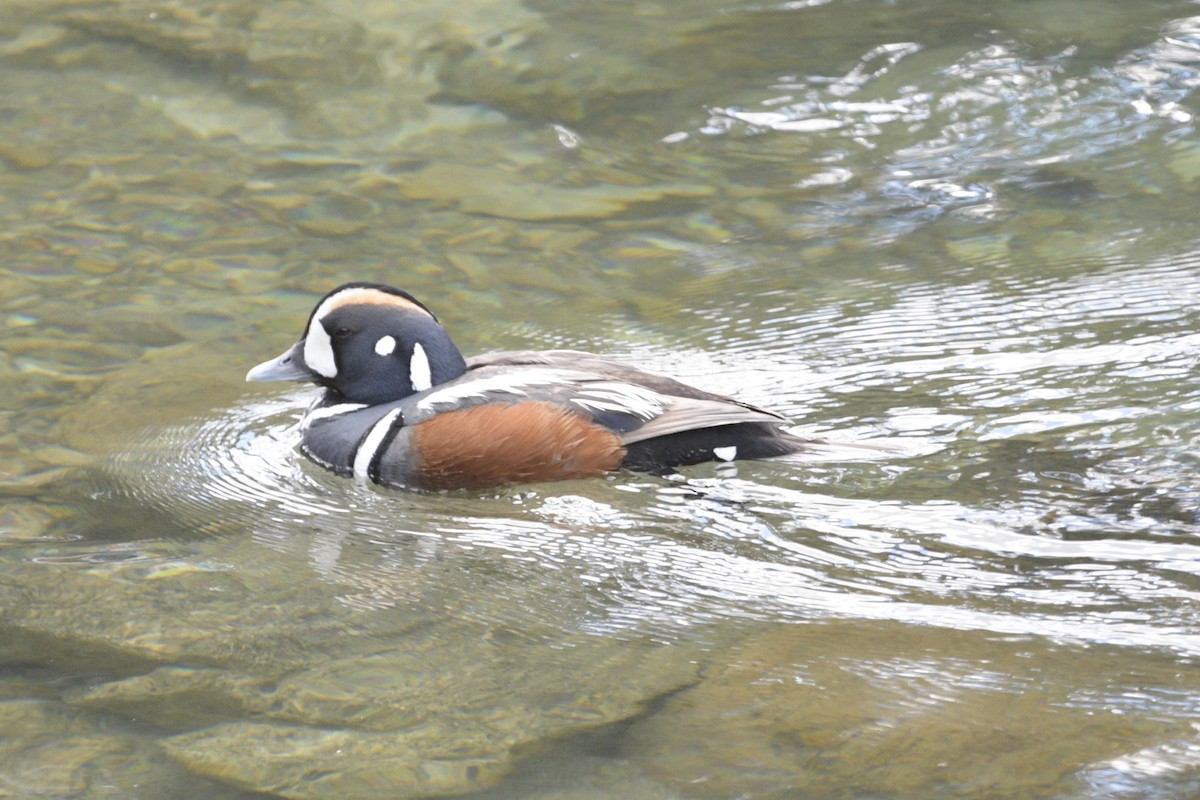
{"points": [[366, 450]]}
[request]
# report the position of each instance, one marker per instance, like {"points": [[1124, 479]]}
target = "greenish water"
{"points": [[963, 234]]}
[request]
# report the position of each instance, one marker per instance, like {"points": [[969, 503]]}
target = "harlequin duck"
{"points": [[403, 407]]}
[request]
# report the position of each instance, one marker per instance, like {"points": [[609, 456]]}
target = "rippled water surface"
{"points": [[956, 240]]}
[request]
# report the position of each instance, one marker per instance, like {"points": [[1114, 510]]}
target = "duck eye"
{"points": [[342, 333]]}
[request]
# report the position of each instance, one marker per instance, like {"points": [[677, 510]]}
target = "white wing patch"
{"points": [[725, 453], [514, 383], [366, 450], [418, 370], [620, 398]]}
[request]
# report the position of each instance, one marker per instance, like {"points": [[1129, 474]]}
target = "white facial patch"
{"points": [[318, 350], [386, 345], [418, 369], [726, 453]]}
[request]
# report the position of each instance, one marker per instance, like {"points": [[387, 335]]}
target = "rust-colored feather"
{"points": [[498, 443]]}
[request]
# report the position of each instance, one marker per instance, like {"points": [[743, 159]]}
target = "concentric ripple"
{"points": [[242, 463], [638, 555]]}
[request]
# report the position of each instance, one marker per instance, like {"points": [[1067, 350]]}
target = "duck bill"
{"points": [[287, 367]]}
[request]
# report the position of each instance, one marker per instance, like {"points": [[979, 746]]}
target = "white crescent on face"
{"points": [[318, 350], [419, 373]]}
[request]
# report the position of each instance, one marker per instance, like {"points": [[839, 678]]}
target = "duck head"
{"points": [[368, 343]]}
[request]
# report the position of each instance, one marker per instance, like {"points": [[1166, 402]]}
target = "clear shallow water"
{"points": [[957, 242]]}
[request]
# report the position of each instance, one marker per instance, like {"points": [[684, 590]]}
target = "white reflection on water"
{"points": [[913, 132], [1138, 775]]}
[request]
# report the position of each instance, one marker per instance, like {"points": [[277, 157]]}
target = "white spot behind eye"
{"points": [[318, 350], [726, 453], [386, 345], [418, 370]]}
